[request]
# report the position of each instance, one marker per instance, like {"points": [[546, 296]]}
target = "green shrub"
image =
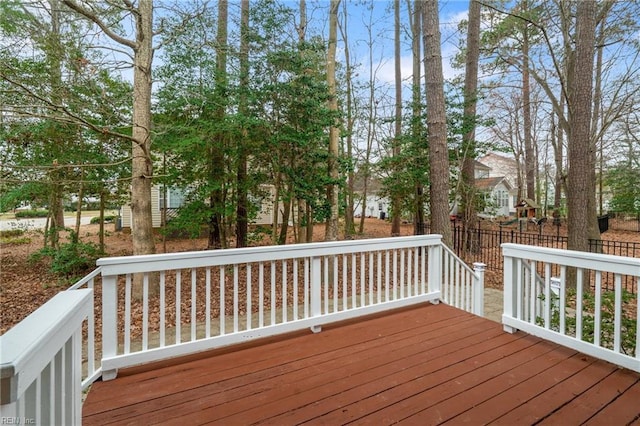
{"points": [[14, 236], [628, 327], [26, 214], [107, 219], [15, 240], [69, 260], [10, 233]]}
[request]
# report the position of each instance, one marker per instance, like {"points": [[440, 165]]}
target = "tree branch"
{"points": [[71, 4], [556, 66], [72, 117]]}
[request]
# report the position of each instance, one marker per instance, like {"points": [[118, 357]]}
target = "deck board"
{"points": [[429, 364]]}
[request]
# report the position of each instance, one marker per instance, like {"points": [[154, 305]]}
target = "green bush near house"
{"points": [[107, 219], [27, 214]]}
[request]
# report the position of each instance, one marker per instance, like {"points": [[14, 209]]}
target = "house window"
{"points": [[175, 198], [501, 198]]}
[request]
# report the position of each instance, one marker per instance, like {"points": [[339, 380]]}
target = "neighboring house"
{"points": [[481, 171], [175, 199], [500, 165], [496, 184], [507, 168], [497, 194], [156, 215], [377, 205]]}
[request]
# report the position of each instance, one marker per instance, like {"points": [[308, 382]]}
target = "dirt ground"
{"points": [[25, 286]]}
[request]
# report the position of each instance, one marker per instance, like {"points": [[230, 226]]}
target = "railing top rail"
{"points": [[463, 264], [167, 261], [573, 258], [85, 279], [29, 346]]}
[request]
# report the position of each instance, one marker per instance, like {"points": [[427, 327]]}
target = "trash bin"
{"points": [[382, 215], [603, 223], [118, 223]]}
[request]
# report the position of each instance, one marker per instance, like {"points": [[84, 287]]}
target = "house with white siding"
{"points": [[497, 189], [175, 198]]}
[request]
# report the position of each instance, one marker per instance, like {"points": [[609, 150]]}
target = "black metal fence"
{"points": [[624, 222], [483, 245]]}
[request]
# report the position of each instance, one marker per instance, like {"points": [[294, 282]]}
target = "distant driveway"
{"points": [[38, 223]]}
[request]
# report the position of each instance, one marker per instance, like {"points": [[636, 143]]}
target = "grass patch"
{"points": [[15, 240], [14, 236], [11, 233]]}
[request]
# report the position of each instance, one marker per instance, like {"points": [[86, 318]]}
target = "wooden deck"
{"points": [[430, 364]]}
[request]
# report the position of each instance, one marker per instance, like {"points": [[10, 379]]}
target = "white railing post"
{"points": [[435, 270], [478, 288], [509, 293], [109, 322], [316, 291], [41, 363]]}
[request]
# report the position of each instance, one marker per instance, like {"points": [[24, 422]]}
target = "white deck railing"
{"points": [[559, 295], [196, 301], [91, 350], [41, 363]]}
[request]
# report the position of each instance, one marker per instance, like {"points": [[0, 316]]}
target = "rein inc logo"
{"points": [[17, 421]]}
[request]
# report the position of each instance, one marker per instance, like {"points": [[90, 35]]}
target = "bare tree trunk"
{"points": [[217, 156], [581, 165], [101, 232], [371, 128], [468, 199], [242, 221], [436, 123], [365, 177], [396, 199], [141, 165], [79, 205], [558, 158], [331, 230], [529, 157], [309, 215], [301, 232], [595, 117], [276, 209], [56, 208], [416, 125], [303, 220], [282, 239], [349, 225]]}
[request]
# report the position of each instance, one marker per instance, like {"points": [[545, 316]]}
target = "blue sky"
{"points": [[451, 13]]}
